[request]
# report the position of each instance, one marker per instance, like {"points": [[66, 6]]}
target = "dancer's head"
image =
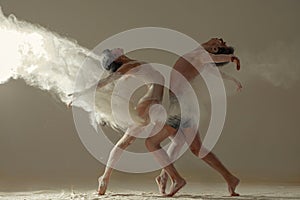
{"points": [[218, 46], [117, 52], [108, 58]]}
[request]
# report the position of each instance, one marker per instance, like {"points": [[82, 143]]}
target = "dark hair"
{"points": [[225, 50], [114, 66], [107, 61]]}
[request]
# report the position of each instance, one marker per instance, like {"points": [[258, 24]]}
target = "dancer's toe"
{"points": [[232, 184], [176, 186], [234, 194], [102, 186], [161, 182]]}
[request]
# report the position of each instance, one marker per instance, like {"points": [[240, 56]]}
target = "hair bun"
{"points": [[106, 59]]}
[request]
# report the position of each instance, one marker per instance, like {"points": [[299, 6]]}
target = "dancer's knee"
{"points": [[205, 154], [125, 143], [195, 150], [151, 145], [200, 152]]}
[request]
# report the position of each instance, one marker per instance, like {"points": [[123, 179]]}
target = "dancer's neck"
{"points": [[123, 59]]}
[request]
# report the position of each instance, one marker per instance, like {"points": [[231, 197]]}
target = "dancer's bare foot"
{"points": [[161, 182], [232, 183], [176, 186], [102, 186]]}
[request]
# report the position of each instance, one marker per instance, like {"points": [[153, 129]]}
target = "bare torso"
{"points": [[152, 78], [148, 74], [188, 66]]}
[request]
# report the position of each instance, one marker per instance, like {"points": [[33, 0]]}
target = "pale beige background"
{"points": [[260, 141]]}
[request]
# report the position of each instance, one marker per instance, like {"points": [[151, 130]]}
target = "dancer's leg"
{"points": [[114, 157], [209, 158], [153, 145], [176, 145], [212, 160]]}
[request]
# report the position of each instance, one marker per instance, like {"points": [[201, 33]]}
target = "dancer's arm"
{"points": [[221, 58], [208, 70], [118, 74], [226, 58], [112, 77], [231, 78], [101, 83]]}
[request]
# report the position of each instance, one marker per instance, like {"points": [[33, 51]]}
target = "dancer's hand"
{"points": [[69, 104], [236, 61], [239, 87]]}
